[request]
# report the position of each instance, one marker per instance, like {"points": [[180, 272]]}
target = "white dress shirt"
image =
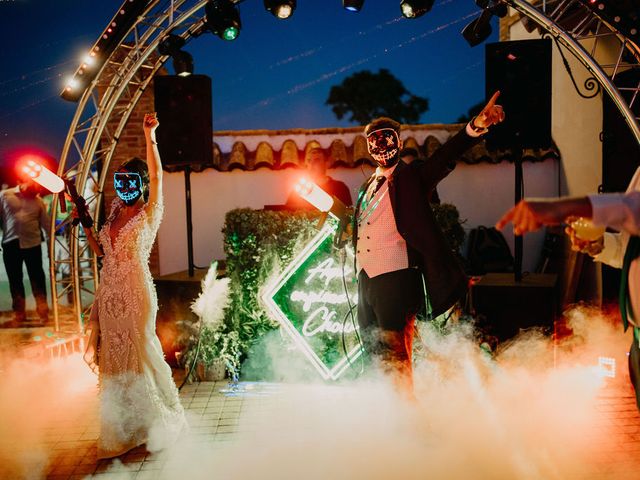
{"points": [[22, 218], [621, 211]]}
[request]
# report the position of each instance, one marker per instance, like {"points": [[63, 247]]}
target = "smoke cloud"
{"points": [[534, 411]]}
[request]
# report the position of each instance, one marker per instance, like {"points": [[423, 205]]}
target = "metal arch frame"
{"points": [[584, 57], [124, 74], [138, 45]]}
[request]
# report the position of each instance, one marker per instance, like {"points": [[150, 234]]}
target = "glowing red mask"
{"points": [[384, 146]]}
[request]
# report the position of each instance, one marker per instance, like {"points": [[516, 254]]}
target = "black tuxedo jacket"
{"points": [[409, 190]]}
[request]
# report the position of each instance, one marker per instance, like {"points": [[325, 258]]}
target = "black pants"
{"points": [[387, 305], [634, 368], [14, 257]]}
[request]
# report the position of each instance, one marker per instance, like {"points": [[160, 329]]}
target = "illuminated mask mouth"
{"points": [[128, 186], [384, 145]]}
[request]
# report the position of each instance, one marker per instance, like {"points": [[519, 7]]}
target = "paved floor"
{"points": [[216, 409], [249, 416]]}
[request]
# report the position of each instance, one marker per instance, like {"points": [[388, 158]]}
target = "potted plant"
{"points": [[206, 342], [215, 353]]}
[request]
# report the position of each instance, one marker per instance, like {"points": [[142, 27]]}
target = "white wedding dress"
{"points": [[139, 401]]}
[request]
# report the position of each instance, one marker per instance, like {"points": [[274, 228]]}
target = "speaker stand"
{"points": [[187, 194], [519, 191]]}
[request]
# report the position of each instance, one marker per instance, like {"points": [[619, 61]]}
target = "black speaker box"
{"points": [[521, 70], [506, 306], [620, 150], [185, 134]]}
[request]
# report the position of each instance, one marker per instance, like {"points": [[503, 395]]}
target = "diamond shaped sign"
{"points": [[309, 301]]}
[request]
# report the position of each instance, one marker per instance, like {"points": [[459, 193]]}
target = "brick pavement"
{"points": [[219, 413], [71, 441]]}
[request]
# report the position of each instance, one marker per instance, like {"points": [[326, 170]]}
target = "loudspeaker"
{"points": [[185, 134], [620, 150], [521, 70], [504, 306]]}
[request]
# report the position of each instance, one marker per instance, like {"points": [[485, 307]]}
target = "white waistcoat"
{"points": [[380, 248]]}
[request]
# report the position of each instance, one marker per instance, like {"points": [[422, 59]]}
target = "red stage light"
{"points": [[30, 166]]}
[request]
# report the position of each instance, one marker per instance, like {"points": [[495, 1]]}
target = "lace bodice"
{"points": [[131, 248]]}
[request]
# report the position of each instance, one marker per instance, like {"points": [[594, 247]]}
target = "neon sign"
{"points": [[309, 301]]}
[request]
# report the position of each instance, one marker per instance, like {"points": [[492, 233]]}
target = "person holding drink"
{"points": [[587, 218]]}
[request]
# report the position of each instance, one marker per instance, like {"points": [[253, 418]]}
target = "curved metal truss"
{"points": [[571, 23], [91, 141], [115, 91]]}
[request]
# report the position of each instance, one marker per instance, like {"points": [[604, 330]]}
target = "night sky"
{"points": [[277, 74]]}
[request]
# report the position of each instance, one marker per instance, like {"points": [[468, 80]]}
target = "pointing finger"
{"points": [[492, 102]]}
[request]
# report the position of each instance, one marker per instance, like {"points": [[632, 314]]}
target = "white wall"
{"points": [[213, 195], [481, 192]]}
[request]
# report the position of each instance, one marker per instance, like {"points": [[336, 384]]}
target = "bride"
{"points": [[138, 399]]}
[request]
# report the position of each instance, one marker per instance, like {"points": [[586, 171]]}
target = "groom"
{"points": [[399, 247]]}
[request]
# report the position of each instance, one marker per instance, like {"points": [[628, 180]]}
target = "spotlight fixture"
{"points": [[183, 63], [280, 8], [115, 31], [415, 8], [223, 19], [479, 29], [352, 5], [171, 44]]}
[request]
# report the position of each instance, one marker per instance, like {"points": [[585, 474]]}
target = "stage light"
{"points": [[478, 30], [280, 8], [352, 5], [171, 44], [223, 19], [88, 61], [314, 195], [115, 31], [415, 8], [183, 63], [320, 199], [72, 83], [41, 175]]}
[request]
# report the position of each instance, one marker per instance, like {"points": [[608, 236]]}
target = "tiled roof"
{"points": [[345, 147]]}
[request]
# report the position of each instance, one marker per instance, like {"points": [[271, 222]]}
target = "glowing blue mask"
{"points": [[128, 186]]}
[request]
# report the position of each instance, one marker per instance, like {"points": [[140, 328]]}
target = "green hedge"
{"points": [[259, 243]]}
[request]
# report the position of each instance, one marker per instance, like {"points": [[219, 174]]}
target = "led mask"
{"points": [[128, 186], [384, 146]]}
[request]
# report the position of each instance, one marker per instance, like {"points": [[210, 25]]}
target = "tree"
{"points": [[472, 112], [366, 95]]}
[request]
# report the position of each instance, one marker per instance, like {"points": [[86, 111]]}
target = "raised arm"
{"points": [[153, 158], [443, 160]]}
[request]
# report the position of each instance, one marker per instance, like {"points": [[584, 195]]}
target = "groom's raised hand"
{"points": [[491, 114]]}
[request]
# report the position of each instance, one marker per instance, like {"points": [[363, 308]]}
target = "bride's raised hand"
{"points": [[150, 122]]}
